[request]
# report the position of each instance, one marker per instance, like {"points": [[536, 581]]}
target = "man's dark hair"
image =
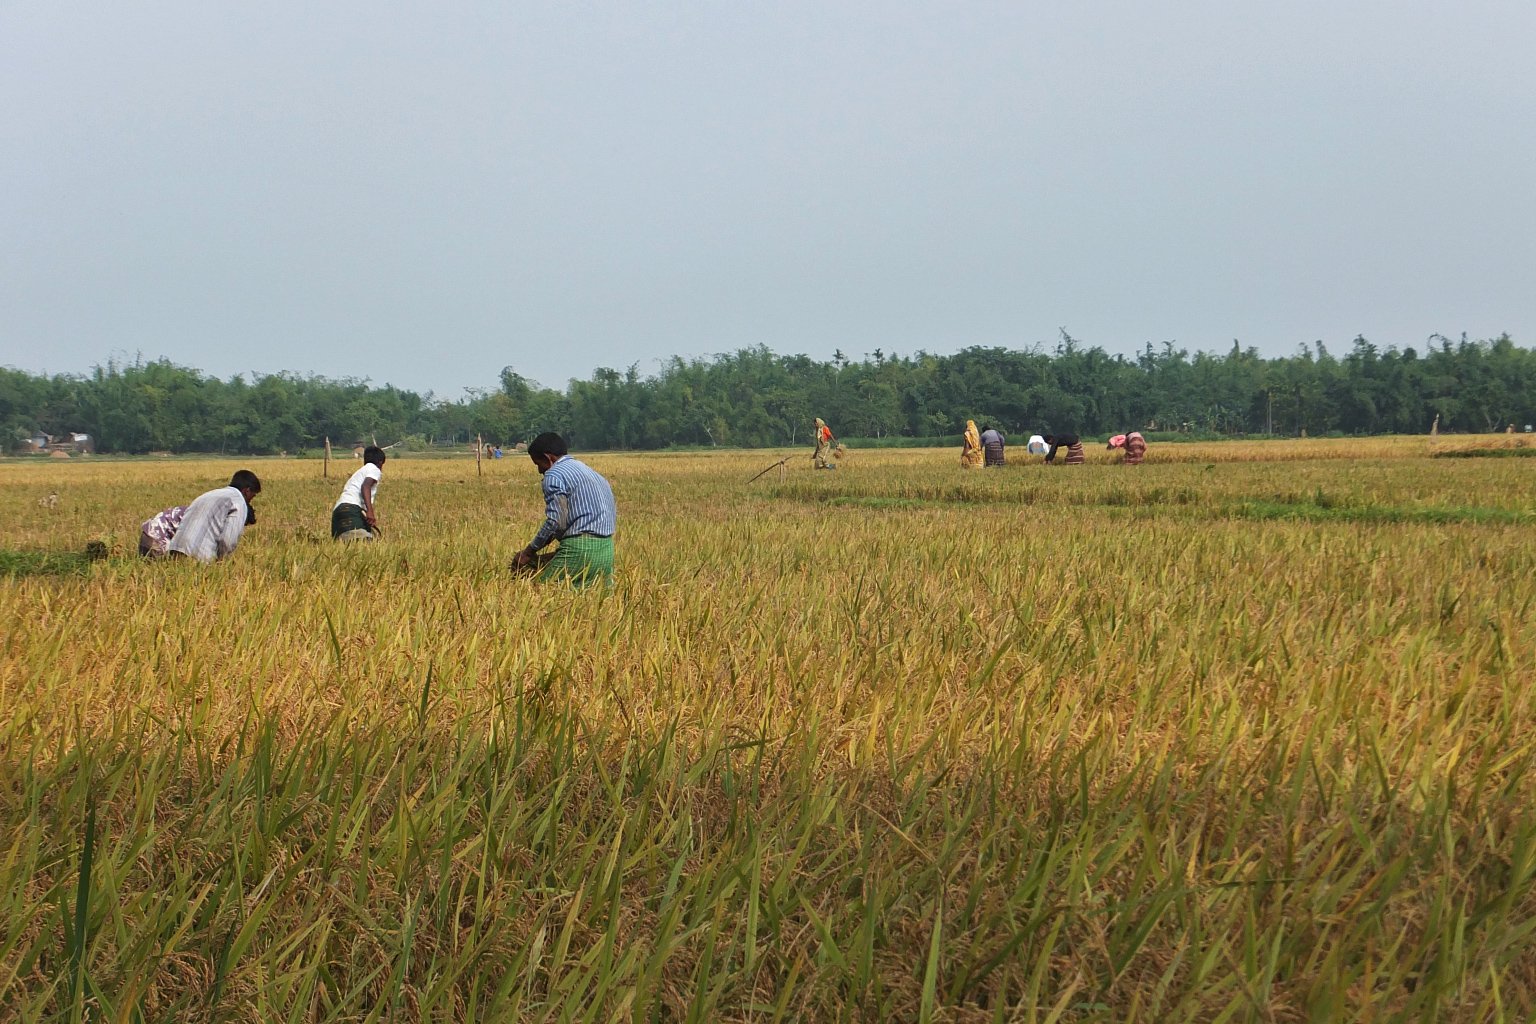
{"points": [[374, 454], [986, 427], [547, 443], [244, 479]]}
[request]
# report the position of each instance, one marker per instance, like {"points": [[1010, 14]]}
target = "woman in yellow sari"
{"points": [[971, 455]]}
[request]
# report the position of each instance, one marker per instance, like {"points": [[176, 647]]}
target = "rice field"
{"points": [[1243, 734]]}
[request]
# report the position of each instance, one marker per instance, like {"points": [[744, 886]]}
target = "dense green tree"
{"points": [[754, 397]]}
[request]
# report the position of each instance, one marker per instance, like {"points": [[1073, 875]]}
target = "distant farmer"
{"points": [[354, 516], [1036, 445], [579, 512], [824, 443], [1134, 445], [992, 445], [1071, 442], [211, 527], [970, 447], [158, 530]]}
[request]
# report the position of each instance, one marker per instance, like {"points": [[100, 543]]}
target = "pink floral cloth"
{"points": [[159, 529]]}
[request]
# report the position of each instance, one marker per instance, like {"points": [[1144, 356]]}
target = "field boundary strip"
{"points": [[1279, 508]]}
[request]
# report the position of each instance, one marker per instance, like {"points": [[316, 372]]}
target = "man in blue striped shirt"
{"points": [[578, 512]]}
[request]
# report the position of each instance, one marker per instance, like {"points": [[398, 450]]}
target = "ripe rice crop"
{"points": [[1245, 733]]}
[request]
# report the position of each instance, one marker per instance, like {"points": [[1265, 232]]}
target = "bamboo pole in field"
{"points": [[327, 457], [479, 447]]}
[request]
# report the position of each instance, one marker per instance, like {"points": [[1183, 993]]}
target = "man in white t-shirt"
{"points": [[213, 523], [354, 516]]}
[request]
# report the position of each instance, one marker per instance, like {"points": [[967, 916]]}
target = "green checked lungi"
{"points": [[346, 520], [581, 560]]}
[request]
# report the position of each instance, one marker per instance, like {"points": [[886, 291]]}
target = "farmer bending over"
{"points": [[578, 512], [354, 517], [211, 528]]}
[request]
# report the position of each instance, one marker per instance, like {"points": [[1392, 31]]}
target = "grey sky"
{"points": [[424, 193]]}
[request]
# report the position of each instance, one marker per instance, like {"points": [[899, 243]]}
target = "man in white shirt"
{"points": [[215, 520], [354, 516]]}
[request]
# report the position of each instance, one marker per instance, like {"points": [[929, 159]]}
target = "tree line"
{"points": [[756, 398]]}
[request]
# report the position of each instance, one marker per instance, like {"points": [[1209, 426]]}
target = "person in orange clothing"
{"points": [[824, 443], [971, 456]]}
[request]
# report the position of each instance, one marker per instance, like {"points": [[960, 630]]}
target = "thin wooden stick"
{"points": [[776, 465]]}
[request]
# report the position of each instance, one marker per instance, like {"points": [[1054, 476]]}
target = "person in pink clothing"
{"points": [[1134, 445]]}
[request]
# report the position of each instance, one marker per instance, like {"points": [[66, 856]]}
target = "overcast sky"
{"points": [[421, 194]]}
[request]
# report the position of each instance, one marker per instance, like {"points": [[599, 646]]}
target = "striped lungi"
{"points": [[994, 454], [1075, 455], [581, 560]]}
